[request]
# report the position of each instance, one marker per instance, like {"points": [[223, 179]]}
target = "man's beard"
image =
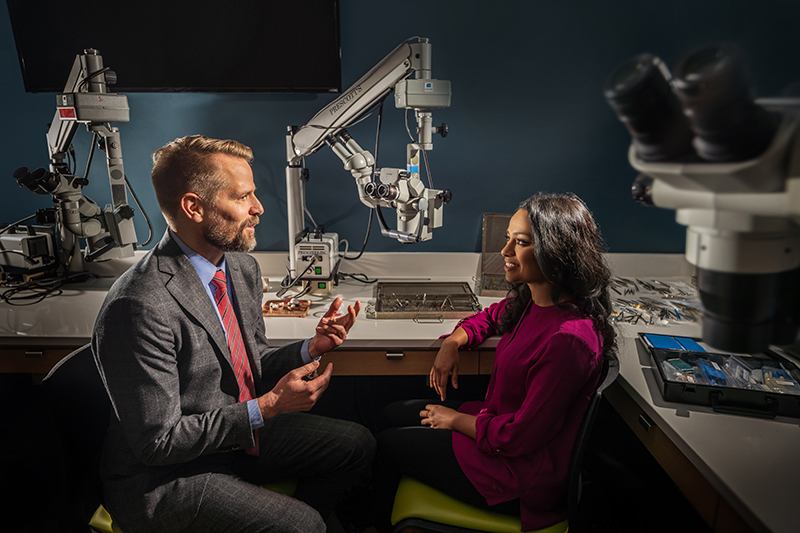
{"points": [[227, 238]]}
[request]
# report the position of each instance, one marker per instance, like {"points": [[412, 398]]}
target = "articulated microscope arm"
{"points": [[418, 208]]}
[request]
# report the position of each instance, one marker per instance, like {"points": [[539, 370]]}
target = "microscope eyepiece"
{"points": [[713, 84], [39, 181], [640, 94]]}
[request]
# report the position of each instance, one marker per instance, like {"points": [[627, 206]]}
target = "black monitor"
{"points": [[183, 46]]}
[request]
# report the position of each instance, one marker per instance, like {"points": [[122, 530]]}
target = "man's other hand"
{"points": [[294, 393], [333, 328]]}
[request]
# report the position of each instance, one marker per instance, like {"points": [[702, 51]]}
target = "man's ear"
{"points": [[193, 207]]}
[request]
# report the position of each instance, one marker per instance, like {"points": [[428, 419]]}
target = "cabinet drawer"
{"points": [[31, 360], [392, 362]]}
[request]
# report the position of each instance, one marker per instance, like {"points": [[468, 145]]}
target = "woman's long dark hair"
{"points": [[569, 250]]}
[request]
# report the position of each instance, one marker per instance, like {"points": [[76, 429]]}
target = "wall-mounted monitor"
{"points": [[183, 46]]}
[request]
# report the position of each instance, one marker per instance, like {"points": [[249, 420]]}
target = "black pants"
{"points": [[405, 447]]}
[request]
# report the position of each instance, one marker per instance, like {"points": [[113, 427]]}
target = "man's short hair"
{"points": [[187, 165]]}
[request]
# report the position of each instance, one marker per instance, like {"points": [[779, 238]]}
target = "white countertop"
{"points": [[69, 317]]}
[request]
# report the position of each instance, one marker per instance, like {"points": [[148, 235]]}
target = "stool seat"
{"points": [[416, 500]]}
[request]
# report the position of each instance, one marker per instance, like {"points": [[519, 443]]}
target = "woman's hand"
{"points": [[446, 363], [438, 416], [441, 417]]}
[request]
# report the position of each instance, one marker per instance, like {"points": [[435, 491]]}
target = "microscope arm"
{"points": [[418, 208], [403, 61]]}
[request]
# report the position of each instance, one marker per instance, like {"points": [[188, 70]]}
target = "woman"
{"points": [[510, 453]]}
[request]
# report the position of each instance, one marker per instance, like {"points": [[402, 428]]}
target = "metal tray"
{"points": [[425, 300]]}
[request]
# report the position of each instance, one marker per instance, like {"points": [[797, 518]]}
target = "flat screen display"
{"points": [[182, 45]]}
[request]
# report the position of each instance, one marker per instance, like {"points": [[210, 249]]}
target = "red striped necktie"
{"points": [[239, 358]]}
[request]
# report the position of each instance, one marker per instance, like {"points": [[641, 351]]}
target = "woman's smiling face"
{"points": [[518, 253]]}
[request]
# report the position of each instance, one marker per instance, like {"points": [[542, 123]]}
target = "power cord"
{"points": [[287, 283], [358, 276]]}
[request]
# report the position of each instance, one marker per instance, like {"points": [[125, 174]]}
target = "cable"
{"points": [[358, 276], [408, 130], [40, 290], [303, 292], [346, 247], [424, 152], [71, 156], [147, 218], [305, 208], [89, 161], [285, 287], [374, 169], [14, 224], [28, 258], [427, 168], [90, 76]]}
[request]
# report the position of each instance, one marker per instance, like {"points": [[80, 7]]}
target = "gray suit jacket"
{"points": [[163, 356]]}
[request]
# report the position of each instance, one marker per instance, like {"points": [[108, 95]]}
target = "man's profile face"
{"points": [[232, 217]]}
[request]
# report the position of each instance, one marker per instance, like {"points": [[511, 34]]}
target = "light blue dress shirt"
{"points": [[206, 270]]}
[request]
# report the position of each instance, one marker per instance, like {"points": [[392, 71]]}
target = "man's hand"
{"points": [[332, 328], [293, 393]]}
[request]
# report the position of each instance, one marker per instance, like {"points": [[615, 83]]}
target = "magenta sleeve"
{"points": [[481, 325], [553, 382]]}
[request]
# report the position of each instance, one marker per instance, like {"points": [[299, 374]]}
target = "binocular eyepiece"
{"points": [[704, 109], [39, 181], [381, 191]]}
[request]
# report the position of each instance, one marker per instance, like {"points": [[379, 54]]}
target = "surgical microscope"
{"points": [[108, 232], [314, 255], [729, 165]]}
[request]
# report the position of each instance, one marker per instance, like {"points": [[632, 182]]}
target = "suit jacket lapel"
{"points": [[185, 286]]}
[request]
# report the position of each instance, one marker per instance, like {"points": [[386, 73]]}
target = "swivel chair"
{"points": [[420, 507], [80, 408]]}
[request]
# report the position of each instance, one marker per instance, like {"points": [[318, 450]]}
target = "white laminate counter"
{"points": [[69, 317]]}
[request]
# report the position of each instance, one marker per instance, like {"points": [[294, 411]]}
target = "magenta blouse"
{"points": [[544, 375]]}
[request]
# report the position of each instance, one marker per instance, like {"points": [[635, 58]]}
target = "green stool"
{"points": [[418, 505], [102, 523]]}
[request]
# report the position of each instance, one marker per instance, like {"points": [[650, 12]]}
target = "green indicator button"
{"points": [[322, 285], [318, 271]]}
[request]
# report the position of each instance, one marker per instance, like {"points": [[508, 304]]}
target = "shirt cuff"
{"points": [[304, 353], [256, 420]]}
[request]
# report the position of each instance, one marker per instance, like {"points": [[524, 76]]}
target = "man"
{"points": [[204, 411]]}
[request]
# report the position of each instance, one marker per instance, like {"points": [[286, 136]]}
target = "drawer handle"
{"points": [[34, 353], [438, 319], [394, 355], [645, 422]]}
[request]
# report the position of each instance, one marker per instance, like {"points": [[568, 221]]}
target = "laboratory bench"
{"points": [[740, 473]]}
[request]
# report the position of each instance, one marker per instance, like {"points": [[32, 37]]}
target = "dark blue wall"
{"points": [[527, 112]]}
